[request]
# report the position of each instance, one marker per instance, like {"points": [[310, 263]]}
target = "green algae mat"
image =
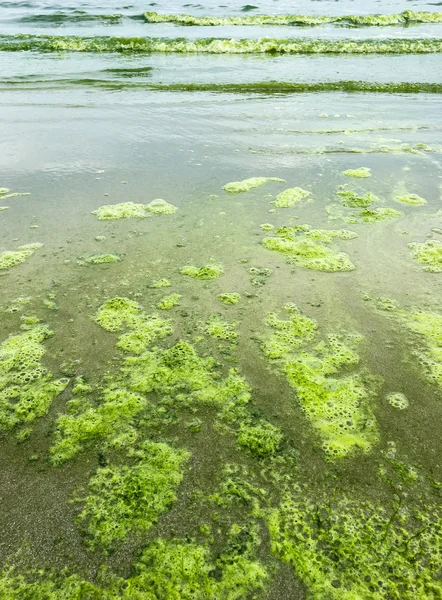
{"points": [[220, 301]]}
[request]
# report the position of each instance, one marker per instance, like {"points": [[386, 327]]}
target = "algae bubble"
{"points": [[398, 400], [236, 187], [229, 298]]}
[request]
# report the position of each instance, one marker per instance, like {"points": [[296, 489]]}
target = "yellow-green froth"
{"points": [[218, 328], [291, 197], [236, 187], [360, 173], [229, 297], [429, 254], [398, 400], [115, 313]]}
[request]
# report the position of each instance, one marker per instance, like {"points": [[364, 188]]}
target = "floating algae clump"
{"points": [[169, 302], [211, 271], [115, 313], [267, 227], [130, 499], [12, 258], [411, 199], [125, 210], [261, 440], [26, 388], [347, 550], [235, 187], [288, 198], [161, 207], [361, 173], [353, 200], [429, 254], [398, 400], [229, 298], [337, 405], [368, 215], [299, 245], [100, 259], [218, 328], [160, 283]]}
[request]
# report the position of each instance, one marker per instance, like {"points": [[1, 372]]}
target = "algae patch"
{"points": [[411, 199], [130, 210], [217, 328], [428, 254], [211, 271], [229, 298], [27, 389], [398, 400], [100, 259], [336, 403], [309, 248], [130, 499], [360, 173], [160, 283], [236, 187], [288, 198], [12, 258], [169, 302]]}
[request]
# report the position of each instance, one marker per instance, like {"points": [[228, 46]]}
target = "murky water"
{"points": [[302, 480]]}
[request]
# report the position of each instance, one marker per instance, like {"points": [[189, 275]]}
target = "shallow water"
{"points": [[76, 145]]}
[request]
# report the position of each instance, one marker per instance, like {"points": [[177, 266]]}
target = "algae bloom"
{"points": [[161, 207], [229, 298], [411, 199], [236, 187], [211, 271], [288, 198], [429, 254], [398, 400], [169, 302], [360, 173], [12, 258], [100, 259], [130, 210]]}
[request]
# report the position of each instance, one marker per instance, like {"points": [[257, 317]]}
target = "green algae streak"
{"points": [[137, 45], [405, 18], [236, 187]]}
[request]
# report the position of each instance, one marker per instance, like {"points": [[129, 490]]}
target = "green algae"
{"points": [[100, 259], [124, 210], [229, 298], [352, 200], [237, 187], [378, 20], [429, 254], [261, 440], [368, 215], [76, 16], [217, 328], [336, 403], [12, 258], [267, 227], [137, 45], [160, 283], [411, 199], [308, 248], [360, 173], [343, 549], [161, 207], [27, 389], [169, 302], [130, 499], [288, 198], [398, 400], [116, 313], [211, 271]]}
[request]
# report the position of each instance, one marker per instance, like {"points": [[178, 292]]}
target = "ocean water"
{"points": [[304, 460]]}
